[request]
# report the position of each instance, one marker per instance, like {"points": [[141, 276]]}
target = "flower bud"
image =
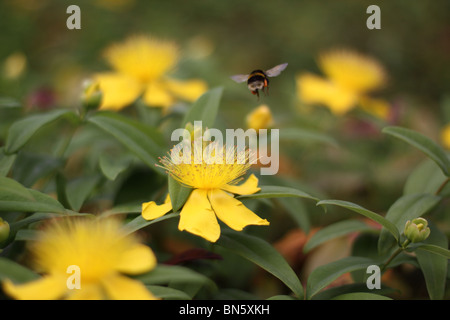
{"points": [[417, 230], [91, 96], [4, 230]]}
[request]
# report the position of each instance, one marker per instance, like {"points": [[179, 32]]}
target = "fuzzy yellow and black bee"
{"points": [[258, 79]]}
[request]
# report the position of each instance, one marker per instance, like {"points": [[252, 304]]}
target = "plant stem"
{"points": [[441, 187], [396, 253]]}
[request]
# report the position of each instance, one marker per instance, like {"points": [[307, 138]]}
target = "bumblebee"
{"points": [[258, 79]]}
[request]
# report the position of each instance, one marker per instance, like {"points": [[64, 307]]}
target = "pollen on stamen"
{"points": [[211, 168]]}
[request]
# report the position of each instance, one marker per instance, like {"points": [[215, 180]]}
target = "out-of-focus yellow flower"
{"points": [[101, 252], [141, 66], [213, 177], [350, 77], [260, 118], [14, 65], [445, 136]]}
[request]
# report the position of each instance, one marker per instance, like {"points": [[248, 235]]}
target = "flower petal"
{"points": [[313, 89], [157, 95], [136, 260], [45, 288], [248, 187], [188, 90], [151, 211], [87, 292], [118, 90], [198, 218], [232, 212], [120, 287]]}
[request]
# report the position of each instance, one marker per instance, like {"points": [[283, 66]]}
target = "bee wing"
{"points": [[240, 77], [273, 72]]}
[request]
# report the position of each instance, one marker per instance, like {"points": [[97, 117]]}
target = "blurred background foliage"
{"points": [[222, 38]]}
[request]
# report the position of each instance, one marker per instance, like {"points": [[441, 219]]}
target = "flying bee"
{"points": [[258, 79]]}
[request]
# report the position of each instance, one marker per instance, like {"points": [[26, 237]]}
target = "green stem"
{"points": [[396, 253], [442, 186]]}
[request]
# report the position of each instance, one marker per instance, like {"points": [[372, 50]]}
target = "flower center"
{"points": [[210, 168]]}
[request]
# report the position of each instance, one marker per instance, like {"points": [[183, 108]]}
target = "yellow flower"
{"points": [[15, 65], [445, 136], [260, 118], [141, 66], [350, 77], [213, 181], [100, 252]]}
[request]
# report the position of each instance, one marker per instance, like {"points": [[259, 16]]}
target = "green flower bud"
{"points": [[4, 230], [91, 96], [417, 230]]}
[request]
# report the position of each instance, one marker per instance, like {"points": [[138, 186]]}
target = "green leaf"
{"points": [[6, 162], [205, 109], [139, 222], [123, 209], [143, 141], [263, 254], [178, 193], [325, 274], [424, 144], [336, 230], [15, 197], [367, 213], [434, 249], [111, 167], [15, 272], [361, 296], [30, 167], [303, 135], [434, 263], [277, 192], [425, 178], [333, 292], [167, 293], [165, 274], [406, 208], [21, 131]]}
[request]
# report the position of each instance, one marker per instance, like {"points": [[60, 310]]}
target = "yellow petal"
{"points": [[151, 211], [189, 90], [232, 211], [260, 118], [377, 107], [157, 95], [123, 288], [87, 292], [313, 89], [248, 187], [45, 288], [198, 218], [118, 90], [445, 136], [352, 70], [138, 259]]}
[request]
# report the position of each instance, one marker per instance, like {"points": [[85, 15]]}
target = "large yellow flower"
{"points": [[350, 77], [98, 250], [141, 66], [213, 178]]}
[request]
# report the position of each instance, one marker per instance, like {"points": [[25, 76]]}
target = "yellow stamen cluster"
{"points": [[96, 248], [211, 169]]}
